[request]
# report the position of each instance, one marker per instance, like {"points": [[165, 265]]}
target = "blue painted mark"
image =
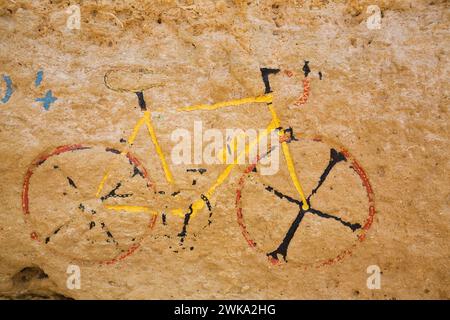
{"points": [[47, 100], [9, 89], [39, 76]]}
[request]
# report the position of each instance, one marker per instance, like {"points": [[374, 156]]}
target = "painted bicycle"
{"points": [[97, 204]]}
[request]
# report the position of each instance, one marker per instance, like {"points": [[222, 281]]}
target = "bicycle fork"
{"points": [[283, 247], [284, 146]]}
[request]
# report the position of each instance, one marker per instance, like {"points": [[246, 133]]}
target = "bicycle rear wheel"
{"points": [[338, 191], [64, 199]]}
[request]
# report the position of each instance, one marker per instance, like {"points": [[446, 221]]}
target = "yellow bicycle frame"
{"points": [[199, 204]]}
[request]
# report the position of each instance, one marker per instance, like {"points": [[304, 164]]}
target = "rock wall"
{"points": [[370, 122]]}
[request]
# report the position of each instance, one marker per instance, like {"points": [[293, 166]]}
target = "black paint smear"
{"points": [[47, 239], [353, 226], [113, 194], [183, 232], [141, 100], [164, 219], [72, 184], [209, 219], [122, 140], [254, 169], [175, 193], [55, 167], [283, 247], [206, 200], [108, 233], [194, 182], [54, 232], [209, 206], [291, 133], [335, 157], [161, 192], [306, 69], [91, 225], [81, 207], [320, 75], [113, 150], [200, 170], [136, 171]]}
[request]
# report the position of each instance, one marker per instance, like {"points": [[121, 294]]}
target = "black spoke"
{"points": [[353, 226], [73, 186], [108, 233], [281, 195], [71, 182], [335, 158], [57, 229], [283, 247], [94, 222]]}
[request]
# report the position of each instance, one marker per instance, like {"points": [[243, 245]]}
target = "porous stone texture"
{"points": [[382, 94]]}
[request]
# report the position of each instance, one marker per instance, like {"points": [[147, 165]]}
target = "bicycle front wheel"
{"points": [[338, 191]]}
